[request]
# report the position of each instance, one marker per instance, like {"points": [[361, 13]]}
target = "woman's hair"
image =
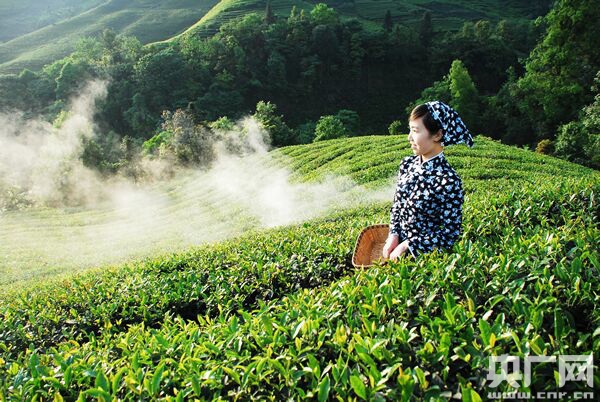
{"points": [[428, 121]]}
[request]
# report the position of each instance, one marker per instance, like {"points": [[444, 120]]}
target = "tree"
{"points": [[141, 120], [579, 141], [305, 132], [387, 21], [73, 74], [161, 78], [325, 42], [572, 141], [322, 14], [396, 127], [350, 120], [102, 152], [545, 147], [356, 57], [456, 89], [465, 98], [503, 115], [426, 29], [561, 68], [483, 30], [440, 90], [269, 16], [276, 71], [329, 127], [191, 144], [293, 14], [266, 114]]}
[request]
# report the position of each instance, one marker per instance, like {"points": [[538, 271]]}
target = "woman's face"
{"points": [[421, 141]]}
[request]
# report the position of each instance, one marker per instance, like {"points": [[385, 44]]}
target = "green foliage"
{"points": [[13, 198], [440, 90], [397, 127], [281, 314], [159, 79], [329, 127], [189, 143], [456, 89], [305, 65], [322, 14], [579, 141], [350, 120], [60, 24], [426, 30], [561, 69], [305, 133], [465, 99], [266, 114], [545, 147], [572, 142], [345, 123], [60, 119], [222, 123], [151, 146], [73, 74]]}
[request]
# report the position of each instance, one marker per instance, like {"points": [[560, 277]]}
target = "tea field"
{"points": [[281, 314]]}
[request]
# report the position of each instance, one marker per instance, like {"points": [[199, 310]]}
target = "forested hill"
{"points": [[446, 14], [50, 31], [34, 33]]}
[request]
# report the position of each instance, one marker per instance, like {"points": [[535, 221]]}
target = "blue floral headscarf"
{"points": [[455, 130]]}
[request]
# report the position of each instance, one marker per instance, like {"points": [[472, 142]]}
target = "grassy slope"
{"points": [[148, 20], [19, 17], [279, 313], [155, 21]]}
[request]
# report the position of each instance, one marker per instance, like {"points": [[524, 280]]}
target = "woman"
{"points": [[427, 208]]}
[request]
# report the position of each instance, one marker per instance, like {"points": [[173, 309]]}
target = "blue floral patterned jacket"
{"points": [[427, 208]]}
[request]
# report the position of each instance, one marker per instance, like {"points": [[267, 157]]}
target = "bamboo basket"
{"points": [[369, 246]]}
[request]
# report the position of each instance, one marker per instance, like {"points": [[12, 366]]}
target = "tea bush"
{"points": [[281, 314]]}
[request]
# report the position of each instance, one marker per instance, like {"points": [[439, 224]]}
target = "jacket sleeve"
{"points": [[395, 216], [450, 228], [395, 209]]}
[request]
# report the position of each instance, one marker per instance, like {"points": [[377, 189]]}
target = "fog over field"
{"points": [[81, 219]]}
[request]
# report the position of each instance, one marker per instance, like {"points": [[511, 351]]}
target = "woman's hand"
{"points": [[401, 249], [390, 244]]}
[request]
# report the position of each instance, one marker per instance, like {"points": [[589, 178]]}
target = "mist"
{"points": [[117, 219]]}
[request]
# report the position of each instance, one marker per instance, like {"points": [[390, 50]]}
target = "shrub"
{"points": [[545, 146], [350, 120], [305, 133], [151, 146], [396, 127], [329, 127], [189, 143], [266, 115], [572, 141]]}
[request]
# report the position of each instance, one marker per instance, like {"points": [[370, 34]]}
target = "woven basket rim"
{"points": [[358, 240]]}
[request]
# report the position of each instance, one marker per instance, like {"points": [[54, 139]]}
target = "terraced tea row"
{"points": [[550, 228], [423, 328], [522, 279]]}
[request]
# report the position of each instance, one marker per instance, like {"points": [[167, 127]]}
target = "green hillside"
{"points": [[19, 17], [446, 15], [148, 20], [280, 314], [61, 24]]}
